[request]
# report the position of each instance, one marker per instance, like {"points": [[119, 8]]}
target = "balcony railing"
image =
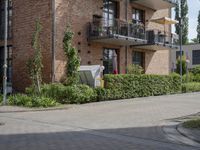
{"points": [[160, 37], [103, 30], [107, 28]]}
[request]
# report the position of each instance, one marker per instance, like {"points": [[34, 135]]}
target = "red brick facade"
{"points": [[78, 14]]}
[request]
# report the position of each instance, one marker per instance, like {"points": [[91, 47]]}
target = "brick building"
{"points": [[103, 29]]}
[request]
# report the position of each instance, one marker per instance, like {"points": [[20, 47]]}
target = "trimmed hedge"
{"points": [[191, 87], [131, 86]]}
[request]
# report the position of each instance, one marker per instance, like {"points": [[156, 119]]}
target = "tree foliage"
{"points": [[184, 65], [73, 61], [198, 29], [183, 7], [135, 69], [34, 64]]}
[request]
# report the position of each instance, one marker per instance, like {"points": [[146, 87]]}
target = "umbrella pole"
{"points": [[164, 33]]}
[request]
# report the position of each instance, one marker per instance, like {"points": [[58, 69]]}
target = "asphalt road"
{"points": [[135, 124]]}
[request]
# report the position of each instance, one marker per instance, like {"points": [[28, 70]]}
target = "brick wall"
{"points": [[79, 13], [25, 13]]}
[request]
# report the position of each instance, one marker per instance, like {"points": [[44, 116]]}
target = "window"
{"points": [[138, 58], [178, 54], [110, 61], [196, 57], [9, 61], [137, 16], [2, 19], [109, 12]]}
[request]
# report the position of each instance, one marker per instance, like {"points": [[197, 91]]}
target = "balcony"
{"points": [[158, 40], [156, 4], [116, 32]]}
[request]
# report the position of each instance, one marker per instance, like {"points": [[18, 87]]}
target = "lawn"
{"points": [[193, 124]]}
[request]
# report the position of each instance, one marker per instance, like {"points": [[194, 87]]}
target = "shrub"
{"points": [[77, 94], [31, 101], [191, 87], [196, 78], [73, 60], [103, 94], [195, 70], [188, 78], [1, 99], [20, 100], [184, 65], [131, 86], [135, 69], [34, 64]]}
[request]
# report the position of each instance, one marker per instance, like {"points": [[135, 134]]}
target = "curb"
{"points": [[23, 109], [185, 133]]}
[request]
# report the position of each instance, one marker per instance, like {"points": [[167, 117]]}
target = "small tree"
{"points": [[184, 65], [73, 61], [35, 64], [135, 69]]}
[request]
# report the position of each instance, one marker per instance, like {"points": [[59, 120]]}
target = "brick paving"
{"points": [[117, 125]]}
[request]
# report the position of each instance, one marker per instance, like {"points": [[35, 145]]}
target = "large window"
{"points": [[2, 18], [196, 57], [137, 16], [138, 58], [110, 61], [110, 9], [9, 70]]}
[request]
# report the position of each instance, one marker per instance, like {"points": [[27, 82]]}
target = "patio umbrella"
{"points": [[165, 21], [115, 66]]}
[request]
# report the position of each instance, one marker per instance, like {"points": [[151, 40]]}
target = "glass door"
{"points": [[111, 61], [109, 15]]}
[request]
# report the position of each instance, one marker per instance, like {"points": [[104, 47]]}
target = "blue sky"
{"points": [[194, 7]]}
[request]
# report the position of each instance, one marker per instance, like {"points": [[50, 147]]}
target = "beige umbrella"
{"points": [[164, 21]]}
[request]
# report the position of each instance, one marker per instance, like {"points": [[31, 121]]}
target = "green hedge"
{"points": [[1, 99], [191, 87], [196, 78], [131, 86], [31, 101], [76, 94]]}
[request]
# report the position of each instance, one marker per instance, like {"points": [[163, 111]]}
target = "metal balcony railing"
{"points": [[107, 28], [102, 29], [160, 37]]}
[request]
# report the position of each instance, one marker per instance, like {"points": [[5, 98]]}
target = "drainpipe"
{"points": [[53, 46], [126, 48]]}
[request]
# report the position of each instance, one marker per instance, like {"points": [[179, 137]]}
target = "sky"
{"points": [[194, 7]]}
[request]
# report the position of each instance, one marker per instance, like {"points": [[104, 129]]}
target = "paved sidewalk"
{"points": [[117, 125]]}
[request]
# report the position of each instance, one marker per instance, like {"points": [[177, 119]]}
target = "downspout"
{"points": [[126, 47], [53, 46]]}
